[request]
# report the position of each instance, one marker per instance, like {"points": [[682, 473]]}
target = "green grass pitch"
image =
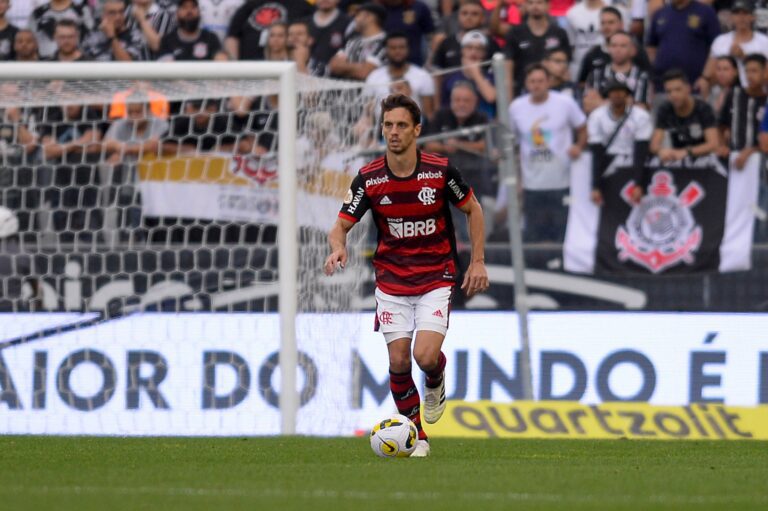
{"points": [[83, 474]]}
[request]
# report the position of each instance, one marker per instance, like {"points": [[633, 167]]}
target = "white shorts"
{"points": [[399, 316]]}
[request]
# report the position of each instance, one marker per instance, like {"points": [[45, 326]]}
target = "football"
{"points": [[394, 437]]}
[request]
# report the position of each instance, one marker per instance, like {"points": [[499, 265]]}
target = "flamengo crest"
{"points": [[661, 231]]}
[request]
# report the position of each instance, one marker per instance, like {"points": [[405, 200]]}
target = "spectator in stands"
{"points": [[399, 68], [7, 33], [364, 52], [556, 63], [743, 111], [216, 15], [277, 42], [69, 134], [618, 133], [67, 37], [473, 46], [328, 28], [688, 121], [128, 139], [114, 40], [43, 20], [611, 21], [447, 53], [504, 15], [300, 49], [726, 78], [740, 42], [201, 128], [621, 69], [413, 18], [25, 46], [679, 38], [246, 38], [529, 42], [16, 139], [467, 152], [188, 41], [582, 25], [152, 20], [545, 122]]}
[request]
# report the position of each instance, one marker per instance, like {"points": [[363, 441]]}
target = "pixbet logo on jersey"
{"points": [[376, 181], [400, 229], [429, 175], [661, 231]]}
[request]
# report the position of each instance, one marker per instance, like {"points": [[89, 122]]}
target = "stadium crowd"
{"points": [[687, 78]]}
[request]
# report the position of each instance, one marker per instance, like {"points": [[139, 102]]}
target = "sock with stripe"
{"points": [[407, 399], [435, 376]]}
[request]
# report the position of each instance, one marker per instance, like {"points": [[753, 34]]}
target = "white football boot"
{"points": [[422, 449], [434, 402]]}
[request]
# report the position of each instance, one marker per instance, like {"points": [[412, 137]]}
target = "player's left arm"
{"points": [[476, 277], [460, 195]]}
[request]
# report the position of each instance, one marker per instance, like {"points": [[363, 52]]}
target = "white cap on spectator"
{"points": [[474, 37]]}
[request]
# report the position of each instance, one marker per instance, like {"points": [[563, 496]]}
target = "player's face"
{"points": [[620, 48], [678, 92], [618, 98], [471, 17], [473, 52], [399, 130], [609, 24], [755, 74], [25, 44], [278, 38]]}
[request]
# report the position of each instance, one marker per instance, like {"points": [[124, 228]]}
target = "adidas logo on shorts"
{"points": [[438, 313]]}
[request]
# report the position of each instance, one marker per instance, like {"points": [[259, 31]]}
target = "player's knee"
{"points": [[400, 362], [426, 358]]}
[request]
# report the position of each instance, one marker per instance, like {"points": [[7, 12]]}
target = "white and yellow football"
{"points": [[394, 437]]}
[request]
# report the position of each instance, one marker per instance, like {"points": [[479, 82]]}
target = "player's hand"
{"points": [[108, 27], [476, 279], [337, 258]]}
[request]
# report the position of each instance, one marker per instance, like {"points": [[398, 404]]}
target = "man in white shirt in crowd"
{"points": [[583, 27], [743, 40], [618, 133], [398, 68], [545, 123]]}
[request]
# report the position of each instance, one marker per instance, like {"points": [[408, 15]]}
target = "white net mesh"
{"points": [[129, 210]]}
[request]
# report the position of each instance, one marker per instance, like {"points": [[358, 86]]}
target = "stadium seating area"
{"points": [[70, 173]]}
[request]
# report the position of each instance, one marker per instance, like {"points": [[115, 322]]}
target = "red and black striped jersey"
{"points": [[416, 249]]}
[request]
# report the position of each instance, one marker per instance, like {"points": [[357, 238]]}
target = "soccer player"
{"points": [[408, 193]]}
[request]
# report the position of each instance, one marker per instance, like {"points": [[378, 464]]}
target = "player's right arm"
{"points": [[356, 203], [337, 239]]}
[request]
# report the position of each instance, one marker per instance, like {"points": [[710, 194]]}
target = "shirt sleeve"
{"points": [[764, 124], [238, 19], [457, 190], [707, 116], [725, 111], [652, 39], [576, 117], [594, 134], [663, 117], [645, 126], [356, 202]]}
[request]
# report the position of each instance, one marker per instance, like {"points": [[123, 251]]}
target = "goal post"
{"points": [[285, 73]]}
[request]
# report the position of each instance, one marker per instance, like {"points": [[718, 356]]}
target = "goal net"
{"points": [[140, 255]]}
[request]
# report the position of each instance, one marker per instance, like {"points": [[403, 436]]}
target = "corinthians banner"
{"points": [[694, 217]]}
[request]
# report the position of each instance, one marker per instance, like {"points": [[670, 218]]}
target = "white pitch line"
{"points": [[366, 495]]}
